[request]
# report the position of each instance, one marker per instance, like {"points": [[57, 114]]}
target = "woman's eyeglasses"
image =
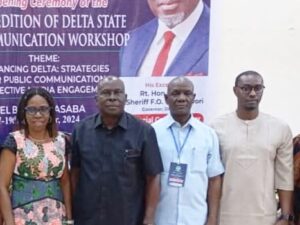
{"points": [[43, 110]]}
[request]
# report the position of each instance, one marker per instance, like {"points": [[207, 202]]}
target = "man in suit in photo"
{"points": [[175, 43]]}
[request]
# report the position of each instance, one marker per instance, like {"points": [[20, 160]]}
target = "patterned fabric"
{"points": [[296, 143], [37, 163], [29, 190]]}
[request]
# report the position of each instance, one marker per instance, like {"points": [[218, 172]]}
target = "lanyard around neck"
{"points": [[179, 148]]}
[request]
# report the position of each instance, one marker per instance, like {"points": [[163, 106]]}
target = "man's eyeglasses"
{"points": [[248, 88], [43, 110]]}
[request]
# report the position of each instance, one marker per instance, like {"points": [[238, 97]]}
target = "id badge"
{"points": [[177, 174]]}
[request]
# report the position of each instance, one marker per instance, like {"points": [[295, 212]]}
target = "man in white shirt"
{"points": [[187, 54]]}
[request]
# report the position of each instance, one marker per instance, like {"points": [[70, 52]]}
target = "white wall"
{"points": [[261, 35]]}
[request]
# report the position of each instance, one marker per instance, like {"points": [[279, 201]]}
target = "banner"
{"points": [[68, 46]]}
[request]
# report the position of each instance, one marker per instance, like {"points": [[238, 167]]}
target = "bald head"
{"points": [[180, 81], [180, 98], [110, 80]]}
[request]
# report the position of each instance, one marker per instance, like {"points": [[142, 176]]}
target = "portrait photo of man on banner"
{"points": [[174, 43]]}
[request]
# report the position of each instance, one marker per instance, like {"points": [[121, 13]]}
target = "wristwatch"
{"points": [[287, 217], [67, 222]]}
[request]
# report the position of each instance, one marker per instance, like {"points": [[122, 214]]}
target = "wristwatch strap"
{"points": [[287, 217]]}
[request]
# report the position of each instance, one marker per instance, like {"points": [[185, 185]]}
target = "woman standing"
{"points": [[34, 161]]}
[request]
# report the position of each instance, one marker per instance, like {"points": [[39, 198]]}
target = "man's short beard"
{"points": [[250, 108], [172, 20]]}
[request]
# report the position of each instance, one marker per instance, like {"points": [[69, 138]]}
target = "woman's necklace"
{"points": [[39, 140]]}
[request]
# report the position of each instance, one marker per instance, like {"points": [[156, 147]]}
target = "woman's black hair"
{"points": [[21, 118]]}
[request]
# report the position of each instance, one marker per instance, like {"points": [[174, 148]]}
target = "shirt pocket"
{"points": [[132, 167], [132, 158], [199, 158], [132, 153]]}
